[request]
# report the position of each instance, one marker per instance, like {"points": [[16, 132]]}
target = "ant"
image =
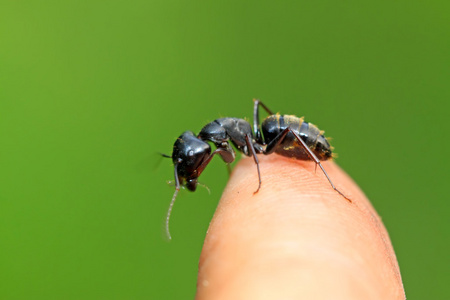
{"points": [[286, 135]]}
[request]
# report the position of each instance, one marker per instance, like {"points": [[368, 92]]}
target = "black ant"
{"points": [[286, 135]]}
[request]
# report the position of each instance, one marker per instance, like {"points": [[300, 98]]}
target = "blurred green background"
{"points": [[90, 91]]}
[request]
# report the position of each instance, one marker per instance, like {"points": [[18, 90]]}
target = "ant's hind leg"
{"points": [[317, 161], [279, 139]]}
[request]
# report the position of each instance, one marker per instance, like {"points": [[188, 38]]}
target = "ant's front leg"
{"points": [[226, 154]]}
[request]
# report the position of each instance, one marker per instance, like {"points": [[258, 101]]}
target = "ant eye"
{"points": [[191, 153]]}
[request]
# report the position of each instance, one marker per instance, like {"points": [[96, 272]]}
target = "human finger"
{"points": [[296, 238]]}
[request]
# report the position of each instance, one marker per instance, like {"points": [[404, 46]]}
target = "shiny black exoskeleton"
{"points": [[281, 134], [191, 154], [286, 135], [291, 136]]}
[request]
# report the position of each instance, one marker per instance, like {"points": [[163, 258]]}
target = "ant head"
{"points": [[190, 156]]}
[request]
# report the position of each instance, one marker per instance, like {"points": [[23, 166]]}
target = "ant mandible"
{"points": [[286, 135]]}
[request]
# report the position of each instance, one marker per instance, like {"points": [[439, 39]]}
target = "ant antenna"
{"points": [[205, 186], [169, 211], [161, 156], [165, 155]]}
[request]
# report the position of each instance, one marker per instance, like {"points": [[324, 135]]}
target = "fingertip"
{"points": [[283, 226]]}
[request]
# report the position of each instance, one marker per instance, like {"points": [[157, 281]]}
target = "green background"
{"points": [[91, 91]]}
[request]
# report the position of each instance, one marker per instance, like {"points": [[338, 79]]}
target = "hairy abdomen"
{"points": [[290, 146]]}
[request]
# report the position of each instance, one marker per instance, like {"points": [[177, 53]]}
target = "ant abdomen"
{"points": [[313, 137]]}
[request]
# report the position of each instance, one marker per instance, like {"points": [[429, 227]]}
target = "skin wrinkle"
{"points": [[234, 247]]}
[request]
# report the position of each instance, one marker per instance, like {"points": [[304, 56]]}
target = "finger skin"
{"points": [[296, 238]]}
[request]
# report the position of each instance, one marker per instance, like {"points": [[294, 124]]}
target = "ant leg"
{"points": [[229, 169], [169, 211], [256, 129], [228, 159], [276, 141], [227, 156], [279, 138], [255, 158]]}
